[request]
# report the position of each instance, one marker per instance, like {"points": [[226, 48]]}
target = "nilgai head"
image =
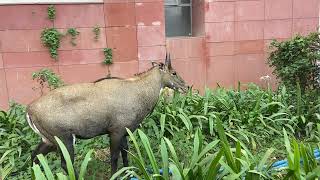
{"points": [[170, 77]]}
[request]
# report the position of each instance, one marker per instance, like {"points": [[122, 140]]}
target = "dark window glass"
{"points": [[185, 1], [171, 2], [178, 18]]}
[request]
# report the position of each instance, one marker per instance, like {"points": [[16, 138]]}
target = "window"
{"points": [[48, 1], [178, 17]]}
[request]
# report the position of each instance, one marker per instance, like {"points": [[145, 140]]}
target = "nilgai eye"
{"points": [[174, 73]]}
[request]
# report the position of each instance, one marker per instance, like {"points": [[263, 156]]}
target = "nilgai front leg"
{"points": [[124, 149], [115, 142]]}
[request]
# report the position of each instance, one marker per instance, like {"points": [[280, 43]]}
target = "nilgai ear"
{"points": [[154, 64], [168, 61]]}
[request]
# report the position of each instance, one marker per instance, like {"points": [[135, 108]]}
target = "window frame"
{"points": [[17, 2], [179, 4]]}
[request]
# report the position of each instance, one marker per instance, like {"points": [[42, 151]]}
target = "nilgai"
{"points": [[106, 106]]}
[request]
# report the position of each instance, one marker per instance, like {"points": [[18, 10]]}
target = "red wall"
{"points": [[238, 34], [230, 43]]}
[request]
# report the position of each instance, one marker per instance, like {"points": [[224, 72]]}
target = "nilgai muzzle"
{"points": [[107, 106]]}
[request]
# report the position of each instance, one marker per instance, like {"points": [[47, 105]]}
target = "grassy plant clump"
{"points": [[50, 37]]}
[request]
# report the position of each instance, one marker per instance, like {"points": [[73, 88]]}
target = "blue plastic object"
{"points": [[284, 163]]}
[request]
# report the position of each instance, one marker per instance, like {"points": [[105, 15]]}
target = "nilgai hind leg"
{"points": [[42, 148], [115, 147]]}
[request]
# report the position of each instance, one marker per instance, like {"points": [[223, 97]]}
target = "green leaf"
{"points": [[214, 166], [296, 159], [84, 165], [174, 156], [67, 158], [121, 171], [238, 156], [140, 165], [45, 166], [305, 159], [185, 121], [165, 159], [148, 149], [264, 159], [135, 145], [287, 143], [62, 176], [38, 173], [196, 149], [162, 123], [225, 144]]}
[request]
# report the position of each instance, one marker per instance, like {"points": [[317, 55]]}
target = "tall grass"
{"points": [[253, 121], [253, 115], [16, 141], [47, 173], [210, 161]]}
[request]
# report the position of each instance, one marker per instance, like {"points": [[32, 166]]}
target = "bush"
{"points": [[295, 61], [47, 76], [16, 142]]}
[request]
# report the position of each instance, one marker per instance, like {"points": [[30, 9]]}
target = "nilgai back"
{"points": [[107, 106]]}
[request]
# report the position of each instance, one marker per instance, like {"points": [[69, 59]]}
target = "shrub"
{"points": [[47, 76], [295, 61], [16, 142]]}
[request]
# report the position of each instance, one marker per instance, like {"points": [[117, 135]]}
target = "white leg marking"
{"points": [[36, 130], [74, 139]]}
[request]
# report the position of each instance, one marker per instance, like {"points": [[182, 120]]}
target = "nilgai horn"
{"points": [[106, 106]]}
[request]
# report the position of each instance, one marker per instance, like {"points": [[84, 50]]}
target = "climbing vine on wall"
{"points": [[51, 37], [51, 12], [47, 77], [107, 56], [96, 31], [74, 33]]}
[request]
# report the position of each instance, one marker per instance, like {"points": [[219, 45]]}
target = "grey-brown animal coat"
{"points": [[108, 106]]}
